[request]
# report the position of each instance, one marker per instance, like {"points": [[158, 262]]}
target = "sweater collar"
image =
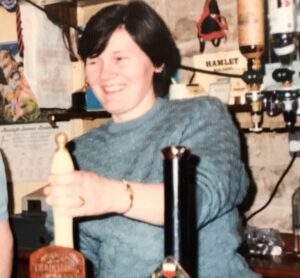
{"points": [[132, 124]]}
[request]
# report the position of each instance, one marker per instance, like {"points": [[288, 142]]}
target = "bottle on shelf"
{"points": [[283, 40], [251, 39], [282, 29], [251, 31]]}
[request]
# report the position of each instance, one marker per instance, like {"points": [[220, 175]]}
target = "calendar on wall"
{"points": [[28, 148]]}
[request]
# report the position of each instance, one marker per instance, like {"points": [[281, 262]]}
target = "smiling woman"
{"points": [[121, 77], [130, 57], [148, 31]]}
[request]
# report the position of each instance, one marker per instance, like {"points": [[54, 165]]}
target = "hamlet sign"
{"points": [[228, 89]]}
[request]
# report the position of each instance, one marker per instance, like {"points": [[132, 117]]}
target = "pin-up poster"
{"points": [[35, 66], [17, 101]]}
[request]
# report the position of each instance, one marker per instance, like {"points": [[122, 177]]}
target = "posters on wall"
{"points": [[17, 101], [41, 79]]}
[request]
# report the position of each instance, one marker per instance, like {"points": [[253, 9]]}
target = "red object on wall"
{"points": [[211, 25]]}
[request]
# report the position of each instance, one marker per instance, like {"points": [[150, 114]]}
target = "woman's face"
{"points": [[121, 77]]}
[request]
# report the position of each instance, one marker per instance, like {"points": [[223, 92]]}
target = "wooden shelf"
{"points": [[241, 113], [70, 115]]}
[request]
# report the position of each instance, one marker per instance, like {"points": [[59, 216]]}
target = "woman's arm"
{"points": [[222, 181], [6, 249], [147, 203], [87, 194]]}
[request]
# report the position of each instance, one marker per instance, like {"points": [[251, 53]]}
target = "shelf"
{"points": [[241, 113], [70, 115]]}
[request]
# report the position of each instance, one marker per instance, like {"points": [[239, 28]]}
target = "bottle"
{"points": [[251, 31], [251, 39], [282, 28]]}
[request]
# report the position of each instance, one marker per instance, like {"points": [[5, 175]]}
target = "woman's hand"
{"points": [[84, 194]]}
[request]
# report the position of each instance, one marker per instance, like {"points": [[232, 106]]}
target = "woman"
{"points": [[129, 57], [6, 239]]}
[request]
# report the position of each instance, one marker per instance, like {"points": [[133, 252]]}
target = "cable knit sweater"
{"points": [[121, 247]]}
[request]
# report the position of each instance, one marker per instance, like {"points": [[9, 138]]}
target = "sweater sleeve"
{"points": [[221, 178]]}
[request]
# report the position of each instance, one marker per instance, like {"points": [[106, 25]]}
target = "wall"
{"points": [[267, 153], [268, 158]]}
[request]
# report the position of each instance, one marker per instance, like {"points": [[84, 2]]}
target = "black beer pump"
{"points": [[181, 242]]}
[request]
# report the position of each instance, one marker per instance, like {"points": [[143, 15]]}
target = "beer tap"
{"points": [[253, 78], [271, 103], [287, 96], [272, 100], [284, 98]]}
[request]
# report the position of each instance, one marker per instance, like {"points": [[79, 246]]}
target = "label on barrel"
{"points": [[57, 262]]}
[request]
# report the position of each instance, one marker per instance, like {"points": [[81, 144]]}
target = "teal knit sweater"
{"points": [[121, 247]]}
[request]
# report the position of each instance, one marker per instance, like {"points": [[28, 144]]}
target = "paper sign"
{"points": [[228, 62]]}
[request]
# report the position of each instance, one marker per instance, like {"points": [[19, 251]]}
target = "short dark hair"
{"points": [[147, 29]]}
